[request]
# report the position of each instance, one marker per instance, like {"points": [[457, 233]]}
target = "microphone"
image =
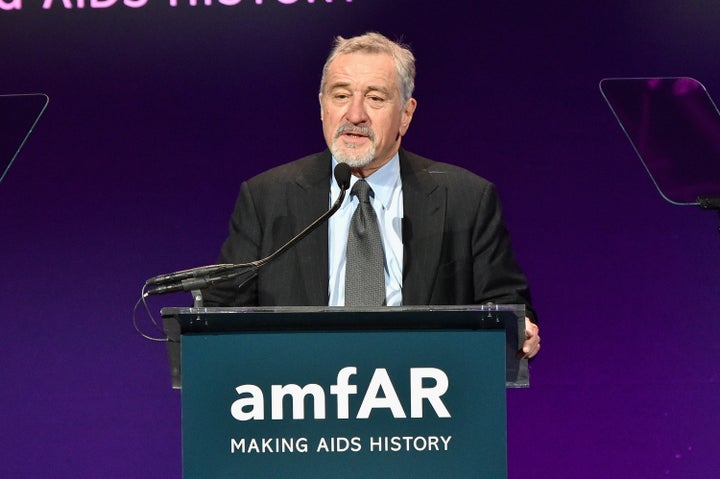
{"points": [[199, 278], [342, 176], [186, 274]]}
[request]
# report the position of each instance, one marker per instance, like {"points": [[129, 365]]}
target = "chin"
{"points": [[353, 158], [355, 162]]}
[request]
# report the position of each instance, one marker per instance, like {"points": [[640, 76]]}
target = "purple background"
{"points": [[157, 114]]}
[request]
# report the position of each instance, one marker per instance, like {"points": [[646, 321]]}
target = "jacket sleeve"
{"points": [[497, 276]]}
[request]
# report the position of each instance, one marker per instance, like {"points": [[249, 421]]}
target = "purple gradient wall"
{"points": [[156, 115]]}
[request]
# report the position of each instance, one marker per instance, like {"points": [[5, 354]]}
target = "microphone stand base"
{"points": [[197, 298]]}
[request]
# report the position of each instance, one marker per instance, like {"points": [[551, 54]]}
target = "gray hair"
{"points": [[377, 43]]}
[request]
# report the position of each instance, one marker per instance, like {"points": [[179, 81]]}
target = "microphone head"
{"points": [[342, 175]]}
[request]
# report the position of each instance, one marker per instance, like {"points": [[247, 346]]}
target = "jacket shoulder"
{"points": [[308, 168], [442, 173]]}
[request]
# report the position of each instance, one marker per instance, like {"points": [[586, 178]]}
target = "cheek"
{"points": [[330, 118], [329, 127], [389, 127]]}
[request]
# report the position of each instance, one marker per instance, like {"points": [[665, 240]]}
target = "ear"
{"points": [[320, 99], [407, 115]]}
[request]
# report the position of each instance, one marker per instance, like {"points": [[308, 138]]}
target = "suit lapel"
{"points": [[424, 204], [307, 199]]}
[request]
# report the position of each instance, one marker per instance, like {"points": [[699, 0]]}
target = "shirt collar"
{"points": [[383, 181]]}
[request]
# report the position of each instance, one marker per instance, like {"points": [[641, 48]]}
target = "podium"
{"points": [[324, 392]]}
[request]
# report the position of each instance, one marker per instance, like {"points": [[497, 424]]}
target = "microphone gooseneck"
{"points": [[199, 278], [342, 177]]}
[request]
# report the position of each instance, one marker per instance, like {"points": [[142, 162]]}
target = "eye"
{"points": [[376, 100]]}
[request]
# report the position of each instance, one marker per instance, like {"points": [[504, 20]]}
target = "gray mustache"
{"points": [[360, 130]]}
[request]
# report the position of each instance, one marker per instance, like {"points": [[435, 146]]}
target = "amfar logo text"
{"points": [[380, 394]]}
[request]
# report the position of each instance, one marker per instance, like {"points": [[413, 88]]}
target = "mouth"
{"points": [[354, 133]]}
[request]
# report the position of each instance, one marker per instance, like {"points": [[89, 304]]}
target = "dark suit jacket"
{"points": [[456, 247]]}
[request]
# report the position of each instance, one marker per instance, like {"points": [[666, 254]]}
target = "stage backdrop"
{"points": [[160, 108]]}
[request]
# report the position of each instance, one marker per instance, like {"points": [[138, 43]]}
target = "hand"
{"points": [[531, 346]]}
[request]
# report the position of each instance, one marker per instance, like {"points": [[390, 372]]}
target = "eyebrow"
{"points": [[371, 88], [332, 86], [379, 89]]}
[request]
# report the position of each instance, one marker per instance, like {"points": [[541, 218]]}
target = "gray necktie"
{"points": [[364, 269]]}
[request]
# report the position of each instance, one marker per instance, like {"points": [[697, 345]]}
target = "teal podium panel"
{"points": [[351, 394]]}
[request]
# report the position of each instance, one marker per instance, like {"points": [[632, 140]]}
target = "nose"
{"points": [[356, 113]]}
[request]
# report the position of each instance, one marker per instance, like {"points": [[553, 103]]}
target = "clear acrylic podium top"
{"points": [[674, 127], [18, 116]]}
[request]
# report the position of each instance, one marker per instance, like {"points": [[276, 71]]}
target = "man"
{"points": [[443, 238]]}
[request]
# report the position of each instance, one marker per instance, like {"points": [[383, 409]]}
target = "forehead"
{"points": [[360, 70]]}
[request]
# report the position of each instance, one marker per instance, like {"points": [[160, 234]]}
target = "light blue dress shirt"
{"points": [[388, 204]]}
